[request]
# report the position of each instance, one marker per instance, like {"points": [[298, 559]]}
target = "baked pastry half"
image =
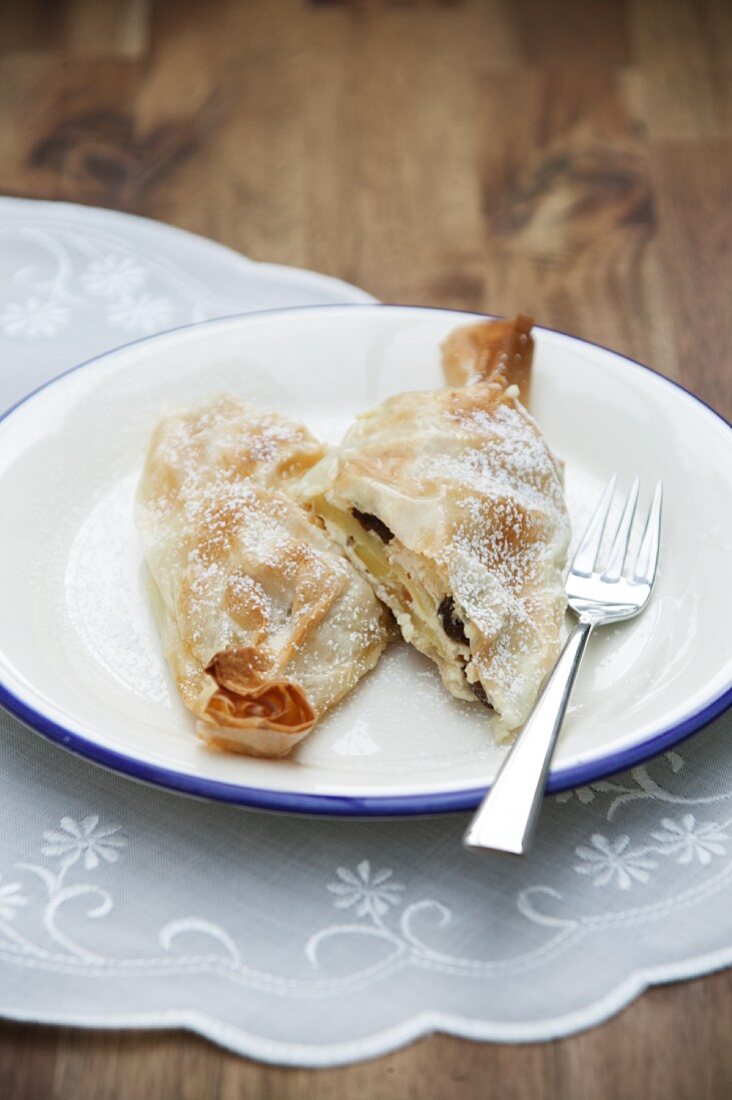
{"points": [[491, 351], [264, 622], [451, 504]]}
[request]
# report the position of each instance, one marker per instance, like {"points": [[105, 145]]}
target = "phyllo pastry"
{"points": [[491, 351], [264, 622], [451, 504]]}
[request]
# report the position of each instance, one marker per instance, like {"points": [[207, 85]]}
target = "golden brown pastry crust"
{"points": [[264, 622], [491, 351], [470, 509]]}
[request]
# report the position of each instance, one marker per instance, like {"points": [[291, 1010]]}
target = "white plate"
{"points": [[79, 655]]}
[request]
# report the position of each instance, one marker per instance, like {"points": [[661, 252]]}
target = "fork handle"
{"points": [[507, 817]]}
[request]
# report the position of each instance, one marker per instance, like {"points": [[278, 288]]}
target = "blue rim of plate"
{"points": [[348, 805]]}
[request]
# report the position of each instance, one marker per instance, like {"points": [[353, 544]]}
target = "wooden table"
{"points": [[571, 159]]}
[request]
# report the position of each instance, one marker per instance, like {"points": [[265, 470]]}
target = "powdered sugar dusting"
{"points": [[465, 481], [508, 546], [239, 564], [504, 454]]}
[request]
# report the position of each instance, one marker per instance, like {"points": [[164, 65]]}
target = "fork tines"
{"points": [[588, 550]]}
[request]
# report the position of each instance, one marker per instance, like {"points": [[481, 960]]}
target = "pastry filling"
{"points": [[479, 692], [373, 523], [451, 624], [433, 624]]}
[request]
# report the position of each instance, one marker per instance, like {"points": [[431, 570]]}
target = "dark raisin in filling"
{"points": [[373, 523], [451, 624], [479, 692]]}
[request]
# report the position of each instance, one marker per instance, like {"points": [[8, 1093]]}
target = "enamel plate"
{"points": [[80, 660]]}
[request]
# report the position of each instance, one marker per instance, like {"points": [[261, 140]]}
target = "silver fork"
{"points": [[507, 817]]}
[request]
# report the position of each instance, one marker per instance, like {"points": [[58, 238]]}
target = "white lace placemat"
{"points": [[295, 940]]}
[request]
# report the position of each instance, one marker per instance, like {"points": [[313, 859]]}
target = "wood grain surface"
{"points": [[568, 158]]}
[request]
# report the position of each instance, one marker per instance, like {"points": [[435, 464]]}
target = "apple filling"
{"points": [[428, 618]]}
